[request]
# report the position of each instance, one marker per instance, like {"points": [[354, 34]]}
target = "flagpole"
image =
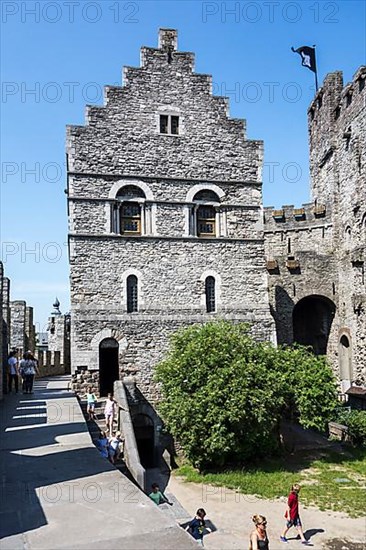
{"points": [[316, 70]]}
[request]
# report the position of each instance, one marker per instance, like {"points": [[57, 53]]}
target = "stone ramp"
{"points": [[57, 489]]}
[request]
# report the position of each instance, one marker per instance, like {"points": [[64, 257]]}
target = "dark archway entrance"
{"points": [[108, 365], [144, 432], [312, 320]]}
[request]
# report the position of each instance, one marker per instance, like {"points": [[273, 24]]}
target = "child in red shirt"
{"points": [[292, 515]]}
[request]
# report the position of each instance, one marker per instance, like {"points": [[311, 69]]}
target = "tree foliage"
{"points": [[224, 393]]}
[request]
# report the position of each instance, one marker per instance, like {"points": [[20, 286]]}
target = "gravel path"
{"points": [[230, 515]]}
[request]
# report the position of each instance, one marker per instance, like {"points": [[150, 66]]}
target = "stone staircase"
{"points": [[158, 475], [98, 425]]}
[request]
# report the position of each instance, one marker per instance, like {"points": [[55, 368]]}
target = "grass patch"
{"points": [[329, 481]]}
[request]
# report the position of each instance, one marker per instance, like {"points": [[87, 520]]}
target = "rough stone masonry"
{"points": [[167, 226], [165, 218]]}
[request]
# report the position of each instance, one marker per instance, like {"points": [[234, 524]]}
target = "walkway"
{"points": [[230, 515], [58, 492]]}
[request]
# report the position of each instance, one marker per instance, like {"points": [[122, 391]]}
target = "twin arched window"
{"points": [[131, 216]]}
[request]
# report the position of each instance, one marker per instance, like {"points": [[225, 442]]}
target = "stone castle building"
{"points": [[166, 225], [165, 219], [316, 254], [58, 342]]}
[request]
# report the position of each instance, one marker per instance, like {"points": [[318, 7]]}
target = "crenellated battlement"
{"points": [[333, 98], [289, 217], [336, 126]]}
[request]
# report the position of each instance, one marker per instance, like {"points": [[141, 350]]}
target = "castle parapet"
{"points": [[288, 217]]}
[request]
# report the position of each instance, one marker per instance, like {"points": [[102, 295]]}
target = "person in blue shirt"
{"points": [[197, 526]]}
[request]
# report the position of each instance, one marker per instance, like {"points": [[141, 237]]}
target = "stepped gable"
{"points": [[126, 128]]}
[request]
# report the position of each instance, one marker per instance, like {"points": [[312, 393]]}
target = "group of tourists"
{"points": [[195, 527], [110, 446], [258, 537], [27, 368]]}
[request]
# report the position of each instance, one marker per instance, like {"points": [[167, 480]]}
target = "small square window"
{"points": [[169, 124]]}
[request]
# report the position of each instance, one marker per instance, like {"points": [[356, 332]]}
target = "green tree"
{"points": [[224, 393]]}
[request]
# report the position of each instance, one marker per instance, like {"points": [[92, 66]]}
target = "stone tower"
{"points": [[316, 253], [59, 338], [165, 219]]}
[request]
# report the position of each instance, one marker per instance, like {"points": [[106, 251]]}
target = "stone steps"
{"points": [[98, 425]]}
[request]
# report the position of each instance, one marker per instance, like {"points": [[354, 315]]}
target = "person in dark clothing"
{"points": [[258, 537], [197, 526]]}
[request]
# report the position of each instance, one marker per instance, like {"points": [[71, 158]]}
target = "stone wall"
{"points": [[17, 324], [122, 145], [59, 339], [327, 237], [49, 363], [30, 334]]}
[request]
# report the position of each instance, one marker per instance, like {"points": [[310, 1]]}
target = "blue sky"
{"points": [[57, 56]]}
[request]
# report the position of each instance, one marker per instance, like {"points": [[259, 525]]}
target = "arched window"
{"points": [[345, 358], [210, 294], [348, 236], [132, 294], [130, 192], [206, 209], [128, 210]]}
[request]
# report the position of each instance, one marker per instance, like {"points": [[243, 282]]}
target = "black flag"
{"points": [[307, 57]]}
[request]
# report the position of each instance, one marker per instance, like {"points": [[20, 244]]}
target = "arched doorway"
{"points": [[144, 432], [345, 358], [108, 365], [312, 320]]}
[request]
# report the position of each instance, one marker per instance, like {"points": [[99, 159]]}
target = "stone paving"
{"points": [[56, 489]]}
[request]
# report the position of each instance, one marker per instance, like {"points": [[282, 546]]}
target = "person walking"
{"points": [[102, 444], [28, 368], [13, 372], [258, 537], [114, 447], [91, 401], [292, 515], [197, 526], [109, 410]]}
